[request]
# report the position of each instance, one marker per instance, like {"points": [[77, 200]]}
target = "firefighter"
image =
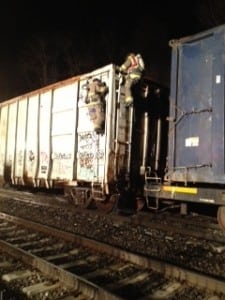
{"points": [[132, 68], [95, 100], [96, 91]]}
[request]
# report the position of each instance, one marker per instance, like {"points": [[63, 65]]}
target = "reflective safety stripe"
{"points": [[180, 189], [133, 75], [128, 98], [123, 67]]}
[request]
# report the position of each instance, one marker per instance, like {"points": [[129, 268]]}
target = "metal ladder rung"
{"points": [[154, 184], [97, 191], [152, 189]]}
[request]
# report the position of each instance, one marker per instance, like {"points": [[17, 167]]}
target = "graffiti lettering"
{"points": [[60, 156], [31, 156], [86, 159], [44, 156], [100, 154], [43, 169], [88, 136], [87, 141]]}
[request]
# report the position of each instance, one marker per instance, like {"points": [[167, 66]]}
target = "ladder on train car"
{"points": [[97, 191], [152, 185], [128, 128]]}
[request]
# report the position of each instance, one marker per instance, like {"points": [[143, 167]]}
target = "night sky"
{"points": [[100, 34]]}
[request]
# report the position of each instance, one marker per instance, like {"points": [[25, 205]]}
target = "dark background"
{"points": [[46, 41]]}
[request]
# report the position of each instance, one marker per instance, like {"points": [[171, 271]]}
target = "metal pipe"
{"points": [[130, 126], [158, 144], [145, 143]]}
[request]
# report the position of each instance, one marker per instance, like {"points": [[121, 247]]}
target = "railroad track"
{"points": [[172, 238], [52, 264], [208, 228]]}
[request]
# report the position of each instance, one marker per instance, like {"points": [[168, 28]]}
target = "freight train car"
{"points": [[54, 138], [159, 151], [196, 137]]}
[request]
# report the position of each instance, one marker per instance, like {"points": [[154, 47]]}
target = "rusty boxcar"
{"points": [[53, 138]]}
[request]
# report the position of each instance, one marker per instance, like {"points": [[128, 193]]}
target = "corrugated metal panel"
{"points": [[93, 148], [63, 131], [44, 134], [3, 136], [20, 139], [31, 159], [11, 140]]}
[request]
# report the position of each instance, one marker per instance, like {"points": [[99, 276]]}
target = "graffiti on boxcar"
{"points": [[86, 160], [31, 156], [61, 163], [31, 160], [61, 156], [87, 140], [44, 159], [43, 169], [89, 151], [99, 154]]}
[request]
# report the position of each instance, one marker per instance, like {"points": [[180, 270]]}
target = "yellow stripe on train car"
{"points": [[179, 189]]}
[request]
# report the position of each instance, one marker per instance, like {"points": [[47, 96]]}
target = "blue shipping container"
{"points": [[197, 116]]}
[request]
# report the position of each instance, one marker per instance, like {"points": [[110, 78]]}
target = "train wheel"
{"points": [[107, 205], [89, 203], [140, 203], [84, 201], [221, 217]]}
